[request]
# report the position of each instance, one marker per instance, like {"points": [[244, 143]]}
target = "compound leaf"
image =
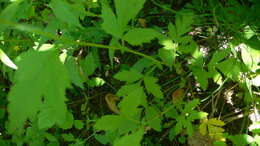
{"points": [[152, 87], [40, 81]]}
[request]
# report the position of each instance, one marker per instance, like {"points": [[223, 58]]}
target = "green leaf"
{"points": [[5, 59], [89, 64], [168, 52], [74, 72], [190, 105], [133, 139], [218, 56], [40, 81], [62, 10], [250, 57], [110, 24], [68, 137], [126, 11], [201, 76], [152, 87], [126, 89], [226, 65], [128, 76], [241, 139], [108, 123], [114, 123], [13, 12], [96, 82], [78, 124], [129, 104], [137, 36], [67, 124], [153, 118]]}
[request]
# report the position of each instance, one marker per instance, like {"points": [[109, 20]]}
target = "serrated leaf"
{"points": [[6, 60], [133, 139], [152, 87], [190, 105], [113, 123], [62, 10], [129, 104], [41, 80], [138, 36], [127, 11], [153, 118], [128, 76], [110, 24], [126, 89]]}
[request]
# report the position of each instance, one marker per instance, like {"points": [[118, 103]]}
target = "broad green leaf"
{"points": [[153, 118], [129, 104], [78, 124], [67, 124], [138, 36], [141, 64], [110, 24], [108, 123], [40, 81], [201, 76], [225, 68], [114, 123], [74, 72], [218, 56], [250, 57], [6, 60], [62, 10], [128, 76], [126, 11], [127, 89], [133, 139], [89, 64], [152, 87]]}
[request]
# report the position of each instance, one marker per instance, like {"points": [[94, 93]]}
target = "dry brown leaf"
{"points": [[111, 100], [177, 95]]}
